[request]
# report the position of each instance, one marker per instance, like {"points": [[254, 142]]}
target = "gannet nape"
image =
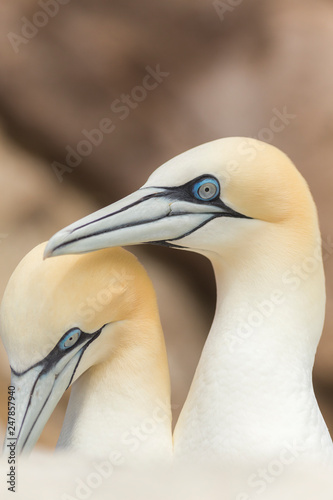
{"points": [[91, 321], [244, 205]]}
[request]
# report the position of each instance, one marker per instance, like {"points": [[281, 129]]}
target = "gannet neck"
{"points": [[123, 405], [252, 394]]}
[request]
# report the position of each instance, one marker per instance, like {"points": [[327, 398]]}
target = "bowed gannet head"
{"points": [[210, 199], [61, 317]]}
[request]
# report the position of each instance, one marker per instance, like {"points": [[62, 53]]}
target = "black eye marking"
{"points": [[204, 190], [190, 192], [72, 339]]}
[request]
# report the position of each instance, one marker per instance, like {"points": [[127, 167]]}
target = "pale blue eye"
{"points": [[206, 189], [70, 339]]}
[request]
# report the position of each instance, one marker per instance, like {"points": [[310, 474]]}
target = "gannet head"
{"points": [[211, 197], [59, 317]]}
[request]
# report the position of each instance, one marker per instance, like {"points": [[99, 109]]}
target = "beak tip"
{"points": [[49, 250], [55, 244], [47, 253]]}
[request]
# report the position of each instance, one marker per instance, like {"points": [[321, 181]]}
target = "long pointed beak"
{"points": [[36, 393], [149, 215]]}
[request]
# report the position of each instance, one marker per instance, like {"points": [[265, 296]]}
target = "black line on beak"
{"points": [[144, 198], [48, 397], [40, 411], [103, 231], [216, 215]]}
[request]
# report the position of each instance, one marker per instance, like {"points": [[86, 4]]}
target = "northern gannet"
{"points": [[90, 321], [243, 204]]}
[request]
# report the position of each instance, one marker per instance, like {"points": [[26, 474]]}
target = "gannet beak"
{"points": [[36, 393], [149, 215]]}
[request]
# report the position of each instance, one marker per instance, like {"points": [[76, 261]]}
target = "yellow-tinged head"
{"points": [[255, 179], [60, 317], [212, 198]]}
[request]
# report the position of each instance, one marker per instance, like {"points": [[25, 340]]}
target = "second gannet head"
{"points": [[62, 317]]}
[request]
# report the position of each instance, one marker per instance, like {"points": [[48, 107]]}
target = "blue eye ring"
{"points": [[207, 189], [70, 339]]}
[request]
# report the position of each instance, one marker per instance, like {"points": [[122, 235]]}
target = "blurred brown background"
{"points": [[228, 68]]}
